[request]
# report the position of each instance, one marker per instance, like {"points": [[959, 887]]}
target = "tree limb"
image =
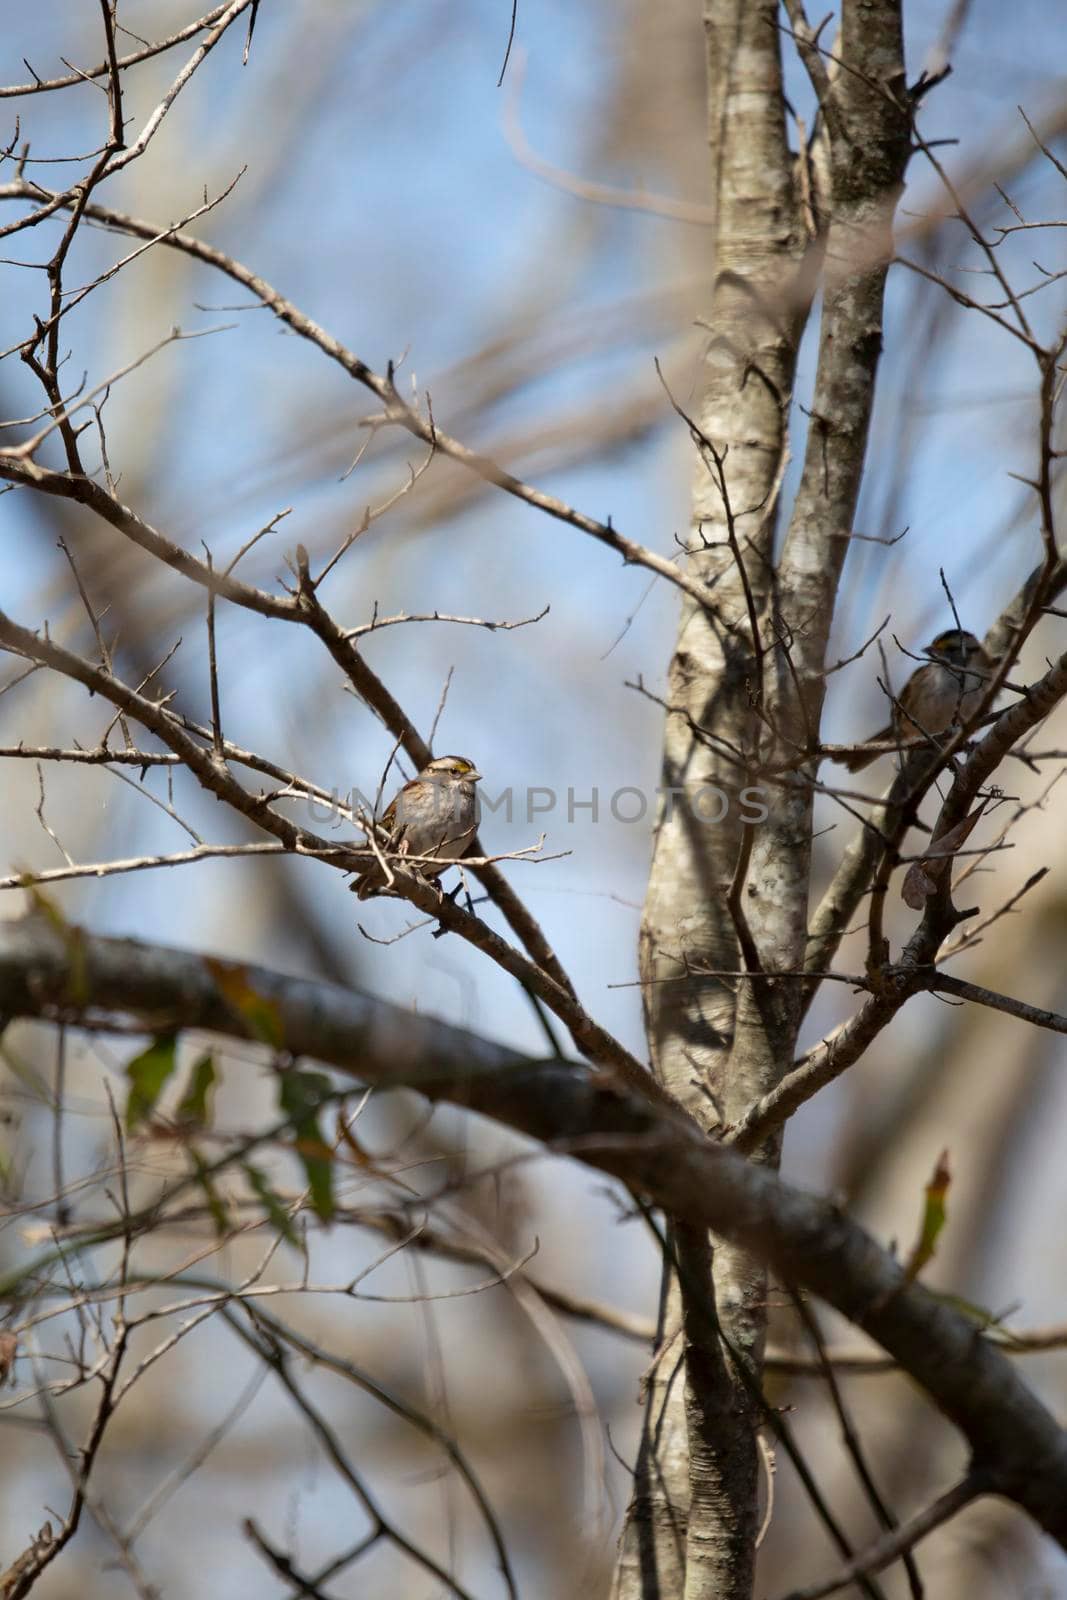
{"points": [[807, 1241]]}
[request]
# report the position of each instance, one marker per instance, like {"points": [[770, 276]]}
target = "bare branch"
{"points": [[43, 86], [901, 1540], [806, 1240]]}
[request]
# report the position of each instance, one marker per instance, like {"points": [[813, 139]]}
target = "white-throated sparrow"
{"points": [[944, 690], [436, 814]]}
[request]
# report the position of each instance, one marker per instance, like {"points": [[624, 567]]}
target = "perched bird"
{"points": [[436, 814], [944, 690]]}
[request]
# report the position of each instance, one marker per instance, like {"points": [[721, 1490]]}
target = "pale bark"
{"points": [[747, 382], [717, 1044]]}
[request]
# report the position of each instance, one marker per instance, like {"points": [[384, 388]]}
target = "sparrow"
{"points": [[944, 691], [436, 814]]}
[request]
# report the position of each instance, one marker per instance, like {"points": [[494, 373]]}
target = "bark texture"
{"points": [[699, 1439], [63, 973], [746, 688]]}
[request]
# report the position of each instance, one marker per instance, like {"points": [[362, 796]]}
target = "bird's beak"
{"points": [[473, 777]]}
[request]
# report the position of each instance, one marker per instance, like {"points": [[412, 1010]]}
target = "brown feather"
{"points": [[863, 758]]}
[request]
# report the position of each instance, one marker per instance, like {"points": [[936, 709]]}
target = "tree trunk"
{"points": [[699, 1440], [746, 687]]}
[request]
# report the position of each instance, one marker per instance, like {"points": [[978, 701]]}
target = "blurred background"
{"points": [[426, 216]]}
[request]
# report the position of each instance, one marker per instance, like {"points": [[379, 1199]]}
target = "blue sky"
{"points": [[382, 197], [397, 216]]}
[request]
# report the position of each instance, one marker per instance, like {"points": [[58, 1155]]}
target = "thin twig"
{"points": [[888, 1549]]}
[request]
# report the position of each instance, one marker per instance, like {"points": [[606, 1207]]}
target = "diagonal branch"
{"points": [[214, 775], [304, 609], [857, 866], [806, 1240], [397, 410], [893, 1545], [1038, 1016]]}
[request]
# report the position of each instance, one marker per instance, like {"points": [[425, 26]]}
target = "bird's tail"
{"points": [[863, 758]]}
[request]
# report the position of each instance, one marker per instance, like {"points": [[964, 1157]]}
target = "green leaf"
{"points": [[317, 1158], [194, 1108], [44, 906], [934, 1216], [261, 1015], [301, 1095], [985, 1318], [211, 1194], [77, 986], [276, 1213], [147, 1073]]}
